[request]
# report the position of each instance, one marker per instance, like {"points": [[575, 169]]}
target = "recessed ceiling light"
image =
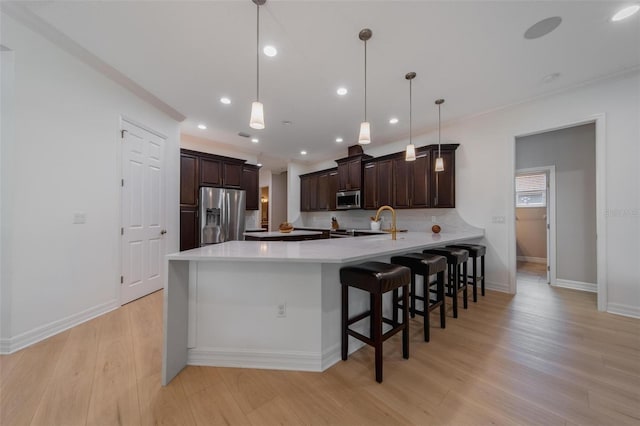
{"points": [[338, 140], [202, 127], [303, 152], [286, 122], [542, 28], [225, 100], [270, 51], [255, 140], [625, 13], [549, 78], [393, 120], [342, 91], [259, 164]]}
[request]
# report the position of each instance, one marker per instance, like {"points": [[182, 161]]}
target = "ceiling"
{"points": [[473, 54]]}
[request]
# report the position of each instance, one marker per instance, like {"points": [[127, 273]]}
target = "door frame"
{"points": [[119, 140], [551, 217], [601, 202]]}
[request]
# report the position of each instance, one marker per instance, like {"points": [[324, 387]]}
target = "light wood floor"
{"points": [[545, 356]]}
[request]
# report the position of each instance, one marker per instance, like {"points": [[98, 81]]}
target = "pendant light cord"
{"points": [[365, 80], [410, 111], [439, 105], [258, 53]]}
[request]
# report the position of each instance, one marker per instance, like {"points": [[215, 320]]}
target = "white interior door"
{"points": [[142, 212]]}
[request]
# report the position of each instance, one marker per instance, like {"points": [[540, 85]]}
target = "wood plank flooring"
{"points": [[544, 356]]}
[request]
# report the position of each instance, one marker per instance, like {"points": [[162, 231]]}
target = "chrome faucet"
{"points": [[393, 219]]}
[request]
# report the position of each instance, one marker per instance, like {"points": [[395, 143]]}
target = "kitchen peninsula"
{"points": [[274, 305]]}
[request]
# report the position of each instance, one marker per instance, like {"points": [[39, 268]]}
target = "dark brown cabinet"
{"points": [[210, 172], [189, 229], [318, 190], [412, 181], [232, 175], [444, 183], [189, 179], [350, 172], [377, 187], [250, 183], [225, 173]]}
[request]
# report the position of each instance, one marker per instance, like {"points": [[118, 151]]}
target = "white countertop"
{"points": [[339, 250], [293, 233]]}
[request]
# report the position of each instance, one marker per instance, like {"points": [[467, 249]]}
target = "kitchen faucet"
{"points": [[393, 219]]}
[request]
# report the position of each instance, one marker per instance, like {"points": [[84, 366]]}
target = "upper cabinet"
{"points": [[189, 182], [251, 184], [411, 187], [318, 190], [221, 172], [443, 184], [350, 172], [377, 188]]}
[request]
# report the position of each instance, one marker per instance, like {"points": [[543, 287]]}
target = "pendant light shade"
{"points": [[257, 116], [257, 110], [439, 161], [365, 131], [410, 154]]}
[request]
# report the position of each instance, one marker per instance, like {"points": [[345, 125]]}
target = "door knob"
{"points": [[164, 231]]}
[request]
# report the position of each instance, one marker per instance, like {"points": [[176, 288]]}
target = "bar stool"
{"points": [[376, 278], [426, 265], [475, 251], [456, 258]]}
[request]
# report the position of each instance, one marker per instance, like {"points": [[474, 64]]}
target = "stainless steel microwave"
{"points": [[348, 200]]}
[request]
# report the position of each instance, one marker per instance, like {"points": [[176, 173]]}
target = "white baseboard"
{"points": [[334, 354], [625, 310], [576, 285], [244, 358], [38, 334], [489, 285], [542, 260]]}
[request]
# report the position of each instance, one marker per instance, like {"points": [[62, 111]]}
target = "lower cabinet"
{"points": [[189, 228]]}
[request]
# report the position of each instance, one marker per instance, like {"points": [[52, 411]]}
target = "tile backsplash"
{"points": [[412, 220]]}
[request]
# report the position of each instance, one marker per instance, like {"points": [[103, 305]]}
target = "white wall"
{"points": [[485, 166], [573, 153], [278, 200], [65, 158]]}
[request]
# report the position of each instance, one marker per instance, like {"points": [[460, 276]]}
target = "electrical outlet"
{"points": [[282, 310], [79, 218], [498, 219]]}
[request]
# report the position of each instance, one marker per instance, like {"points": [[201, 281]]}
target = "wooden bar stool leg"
{"points": [[376, 317], [405, 321], [345, 319], [475, 279], [413, 295], [482, 273], [427, 302], [441, 297], [394, 304], [453, 270], [466, 286]]}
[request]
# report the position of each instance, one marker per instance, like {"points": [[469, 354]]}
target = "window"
{"points": [[531, 190]]}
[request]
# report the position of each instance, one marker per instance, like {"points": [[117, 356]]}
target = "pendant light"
{"points": [[439, 161], [410, 154], [365, 131], [257, 110]]}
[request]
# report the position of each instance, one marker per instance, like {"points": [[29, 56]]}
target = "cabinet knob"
{"points": [[164, 231]]}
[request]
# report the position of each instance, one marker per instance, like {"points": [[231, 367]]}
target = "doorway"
{"points": [[536, 224], [572, 150]]}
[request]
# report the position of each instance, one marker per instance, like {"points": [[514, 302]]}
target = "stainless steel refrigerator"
{"points": [[221, 215]]}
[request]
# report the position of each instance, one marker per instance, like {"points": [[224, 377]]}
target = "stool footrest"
{"points": [[358, 317]]}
